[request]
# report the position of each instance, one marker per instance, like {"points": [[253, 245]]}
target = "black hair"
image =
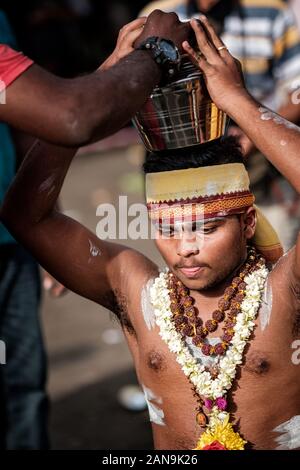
{"points": [[218, 152]]}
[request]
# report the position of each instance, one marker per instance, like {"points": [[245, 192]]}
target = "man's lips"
{"points": [[191, 271]]}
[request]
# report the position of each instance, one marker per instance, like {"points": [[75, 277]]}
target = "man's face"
{"points": [[206, 5], [204, 254]]}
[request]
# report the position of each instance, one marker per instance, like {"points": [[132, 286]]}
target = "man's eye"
{"points": [[166, 232], [206, 230], [210, 229]]}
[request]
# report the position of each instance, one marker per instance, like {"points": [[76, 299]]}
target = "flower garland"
{"points": [[213, 389]]}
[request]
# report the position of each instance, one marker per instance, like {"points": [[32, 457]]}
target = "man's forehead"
{"points": [[181, 224]]}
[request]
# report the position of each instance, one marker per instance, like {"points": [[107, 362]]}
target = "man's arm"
{"points": [[22, 143], [76, 111], [290, 111], [67, 250], [276, 138]]}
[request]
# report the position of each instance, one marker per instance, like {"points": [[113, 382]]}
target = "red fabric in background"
{"points": [[12, 64]]}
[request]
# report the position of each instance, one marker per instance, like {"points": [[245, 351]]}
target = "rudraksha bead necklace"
{"points": [[189, 324]]}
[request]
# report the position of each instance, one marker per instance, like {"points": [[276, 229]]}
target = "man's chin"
{"points": [[197, 285], [197, 282], [202, 282]]}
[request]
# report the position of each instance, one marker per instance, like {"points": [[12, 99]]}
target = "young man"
{"points": [[173, 323], [77, 111]]}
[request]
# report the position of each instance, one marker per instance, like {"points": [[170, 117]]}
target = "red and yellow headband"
{"points": [[209, 192]]}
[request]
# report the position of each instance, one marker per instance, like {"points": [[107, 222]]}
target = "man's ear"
{"points": [[249, 222]]}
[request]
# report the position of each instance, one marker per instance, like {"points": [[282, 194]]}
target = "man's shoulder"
{"points": [[130, 285], [133, 266], [164, 5]]}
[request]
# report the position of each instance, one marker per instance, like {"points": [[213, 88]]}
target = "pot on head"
{"points": [[180, 114]]}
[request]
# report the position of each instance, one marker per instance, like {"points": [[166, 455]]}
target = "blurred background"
{"points": [[88, 361], [69, 37]]}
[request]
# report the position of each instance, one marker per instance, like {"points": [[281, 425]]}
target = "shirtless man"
{"points": [[264, 399]]}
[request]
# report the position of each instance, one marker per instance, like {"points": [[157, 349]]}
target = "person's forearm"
{"points": [[77, 111], [36, 187], [124, 89], [276, 138]]}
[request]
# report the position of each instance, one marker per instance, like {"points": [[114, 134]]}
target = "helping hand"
{"points": [[222, 72], [167, 26], [127, 36]]}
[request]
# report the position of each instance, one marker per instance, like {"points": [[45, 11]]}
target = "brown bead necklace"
{"points": [[185, 315]]}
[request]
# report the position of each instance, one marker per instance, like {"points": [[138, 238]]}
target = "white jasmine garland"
{"points": [[245, 322]]}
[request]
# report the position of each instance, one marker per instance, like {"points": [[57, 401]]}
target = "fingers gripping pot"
{"points": [[180, 113]]}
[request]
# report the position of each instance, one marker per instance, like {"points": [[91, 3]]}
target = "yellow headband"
{"points": [[213, 191], [196, 182]]}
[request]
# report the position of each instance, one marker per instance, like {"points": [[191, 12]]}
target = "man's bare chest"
{"points": [[267, 360], [268, 354]]}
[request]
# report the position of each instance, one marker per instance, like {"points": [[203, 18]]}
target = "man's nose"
{"points": [[188, 245]]}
